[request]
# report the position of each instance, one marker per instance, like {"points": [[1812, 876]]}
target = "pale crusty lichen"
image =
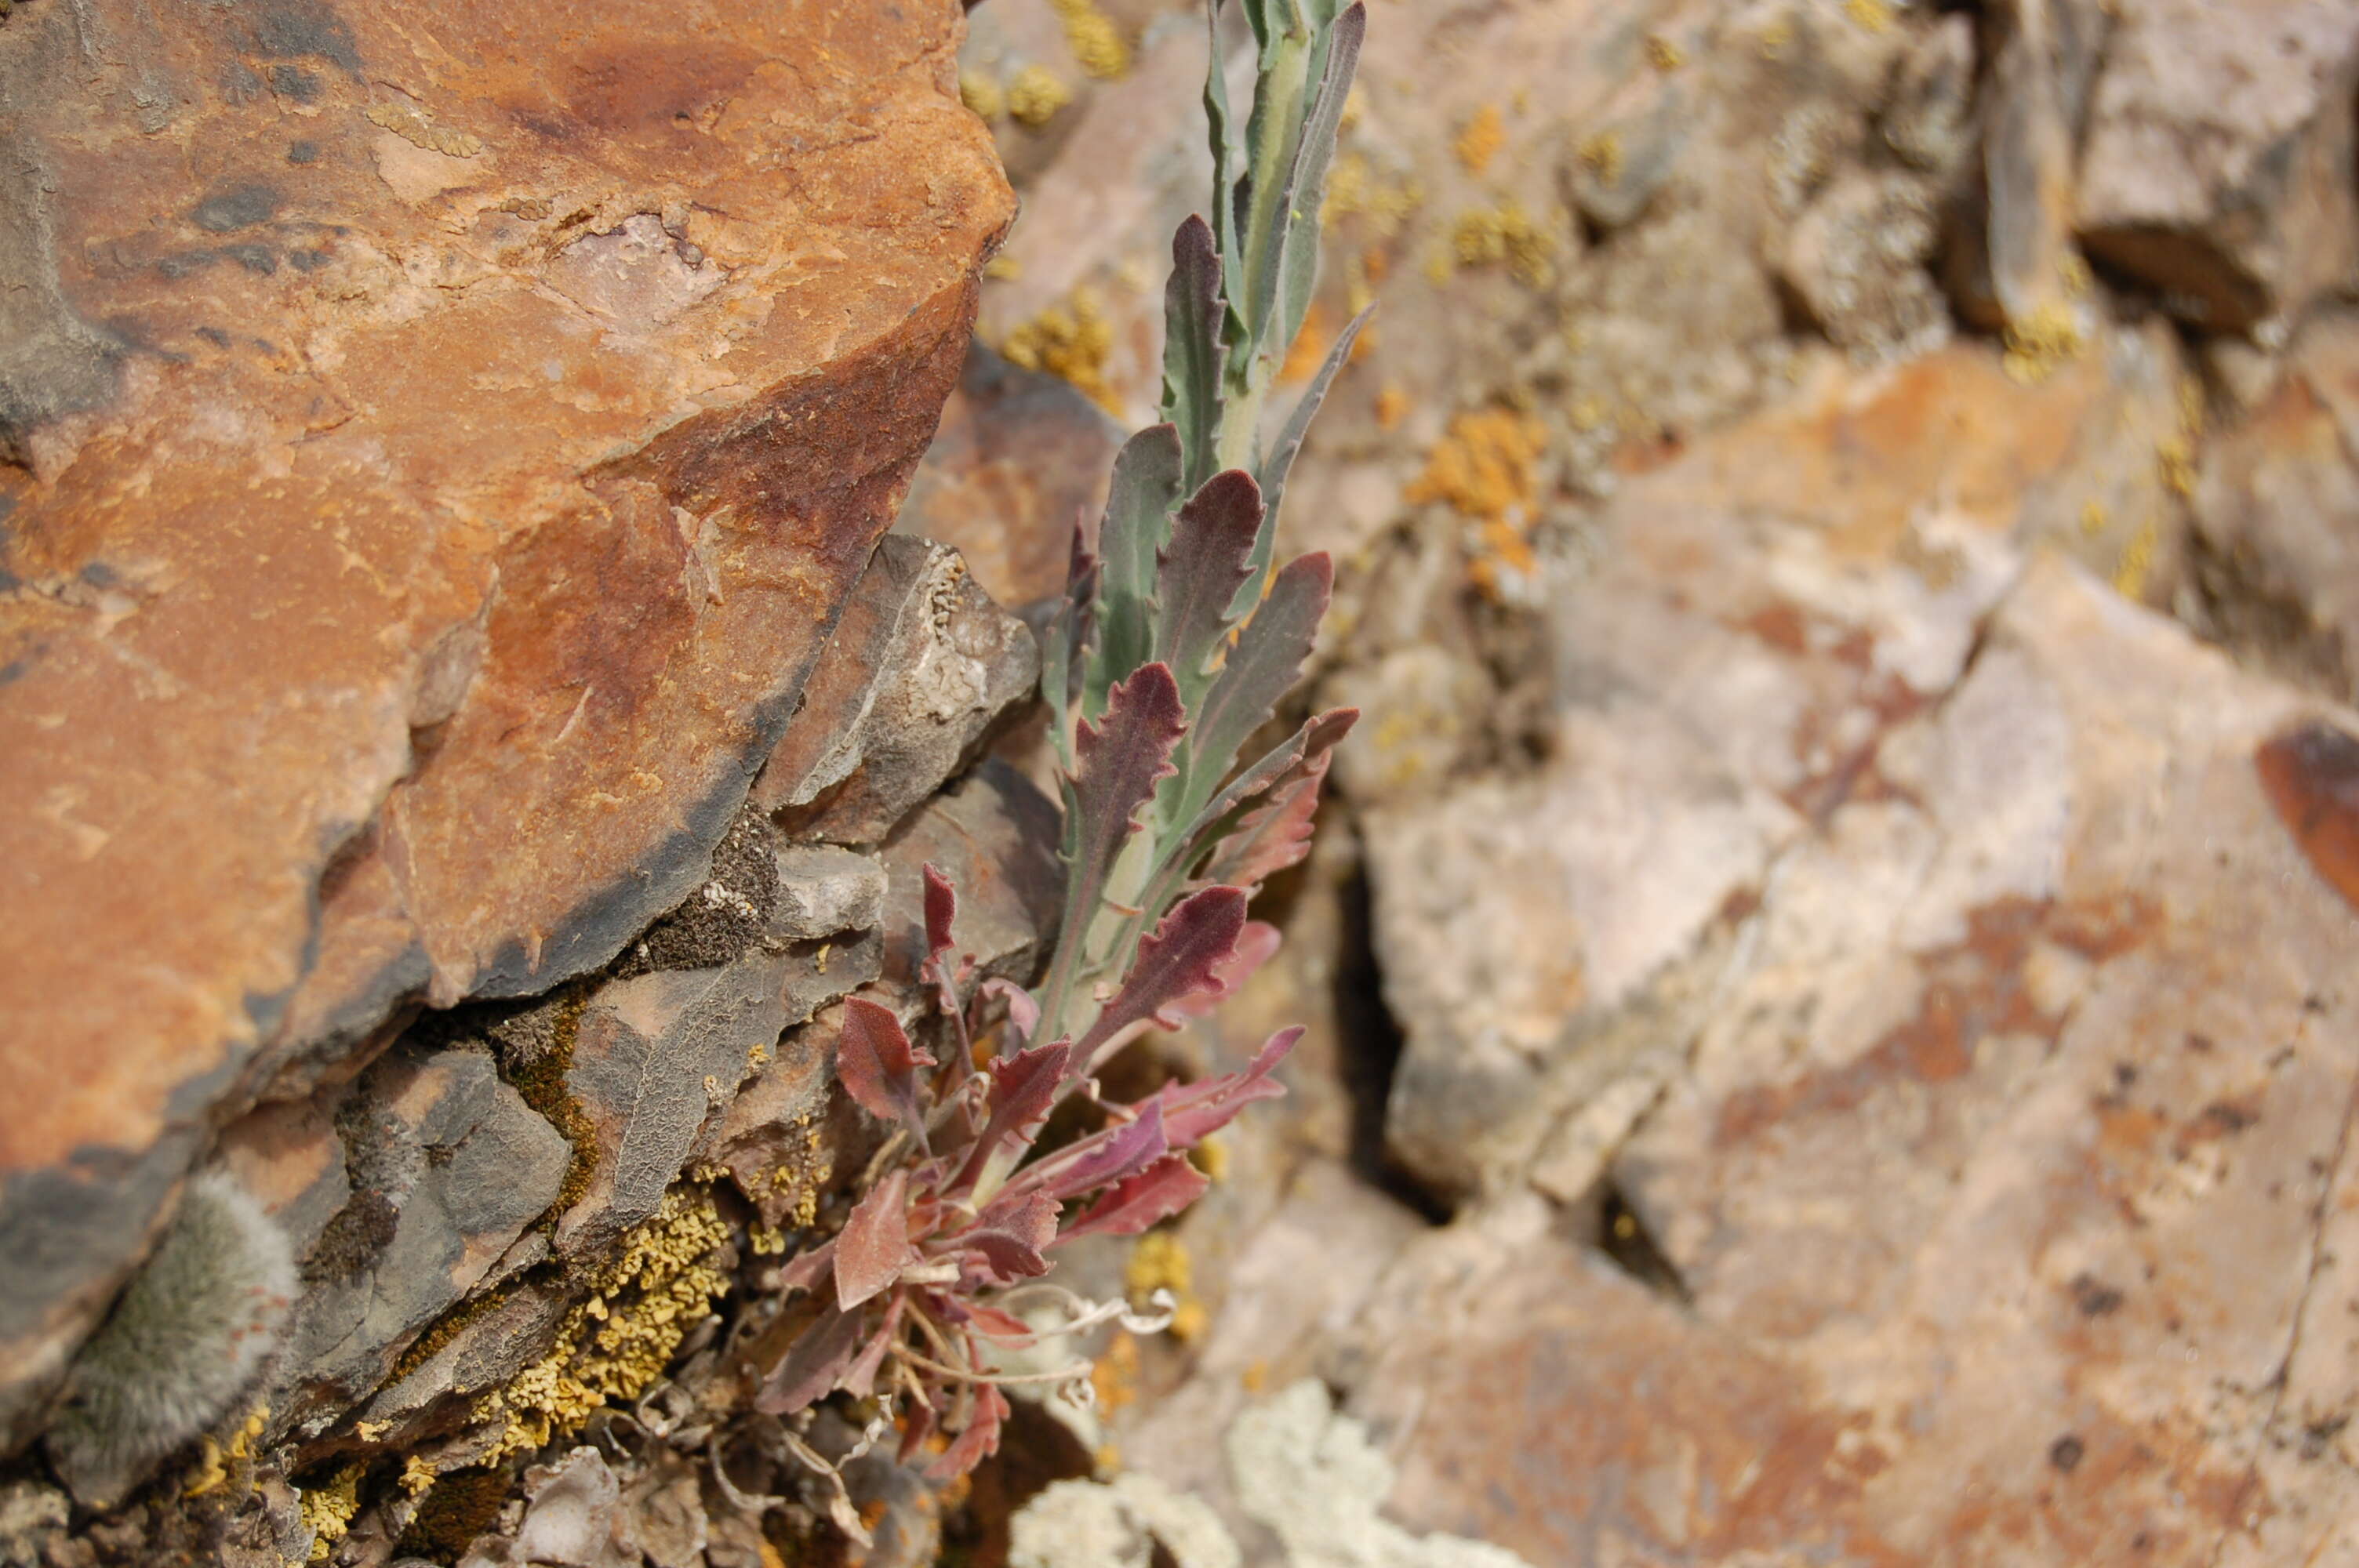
{"points": [[1356, 189], [612, 1347]]}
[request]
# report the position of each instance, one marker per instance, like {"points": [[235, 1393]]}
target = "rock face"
{"points": [[436, 441]]}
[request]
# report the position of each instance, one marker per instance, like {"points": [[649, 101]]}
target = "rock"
{"points": [[1019, 454], [1759, 614], [2035, 100], [486, 1346], [923, 666], [1856, 261], [446, 1166], [2278, 568], [825, 889], [2217, 165], [570, 1521], [564, 432], [775, 1139], [31, 1515]]}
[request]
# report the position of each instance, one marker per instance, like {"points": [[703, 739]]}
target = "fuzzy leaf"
{"points": [[1199, 574], [1064, 645], [1306, 184], [1023, 1091], [1193, 1112], [1279, 461], [1135, 1203], [941, 908], [978, 1443], [1228, 205], [860, 1378], [813, 1365], [1101, 1157], [1256, 946], [1120, 763], [1278, 766], [1261, 669], [1011, 1247], [1274, 835], [1194, 308], [1181, 959], [877, 1067], [1023, 1012], [1146, 489], [875, 1244]]}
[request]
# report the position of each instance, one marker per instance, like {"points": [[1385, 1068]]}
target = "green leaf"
{"points": [[1306, 185], [1261, 669], [1137, 522], [1280, 458], [1198, 576]]}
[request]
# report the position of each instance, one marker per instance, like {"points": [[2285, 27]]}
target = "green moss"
{"points": [[463, 1505]]}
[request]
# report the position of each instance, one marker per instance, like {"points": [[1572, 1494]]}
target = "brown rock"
{"points": [[442, 437], [2279, 567], [2217, 166], [1019, 454], [994, 837], [911, 686]]}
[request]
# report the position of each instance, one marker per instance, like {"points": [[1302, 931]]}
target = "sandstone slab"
{"points": [[436, 441]]}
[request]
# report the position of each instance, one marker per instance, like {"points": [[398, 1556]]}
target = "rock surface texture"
{"points": [[437, 442], [1850, 900]]}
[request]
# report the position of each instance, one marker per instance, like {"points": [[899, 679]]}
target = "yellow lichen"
{"points": [[616, 1344], [2092, 519], [2039, 342], [2175, 452], [1776, 39], [1211, 1157], [804, 1171], [764, 1241], [1095, 42], [1876, 16], [1505, 235], [1486, 468], [418, 1477], [327, 1511], [1480, 138], [215, 1466], [1036, 95], [1601, 154], [1071, 341], [1114, 1377], [1663, 54], [2138, 560], [1392, 406], [981, 94], [1005, 268], [1161, 1261], [1255, 1377], [1354, 189]]}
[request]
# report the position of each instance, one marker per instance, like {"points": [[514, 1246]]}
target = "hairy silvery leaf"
{"points": [[1133, 1204], [1279, 766], [1194, 309], [1306, 185], [877, 1066], [1279, 461], [875, 1242], [1011, 1246], [1137, 520], [1181, 961], [1261, 669], [1198, 574]]}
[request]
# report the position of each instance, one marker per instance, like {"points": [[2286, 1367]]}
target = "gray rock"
{"points": [[1855, 260], [995, 836], [921, 665], [2218, 162], [448, 1166], [823, 890]]}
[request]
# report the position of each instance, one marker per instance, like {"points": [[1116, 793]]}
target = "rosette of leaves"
{"points": [[1177, 640]]}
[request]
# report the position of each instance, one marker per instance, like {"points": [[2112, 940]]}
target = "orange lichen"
{"points": [[1487, 471], [1392, 406], [1114, 1377], [1480, 138], [1309, 350], [1073, 342]]}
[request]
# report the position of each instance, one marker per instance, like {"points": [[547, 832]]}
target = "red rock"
{"points": [[443, 435], [2311, 775]]}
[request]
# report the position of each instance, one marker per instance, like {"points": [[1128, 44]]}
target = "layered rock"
{"points": [[439, 444]]}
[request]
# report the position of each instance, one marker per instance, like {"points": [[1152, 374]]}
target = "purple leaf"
{"points": [[806, 1269], [877, 1067], [1120, 761], [875, 1245], [978, 1443], [1182, 958], [1193, 1112], [1132, 1205], [1277, 767], [1023, 1091], [813, 1365], [1023, 1012], [941, 908], [1011, 1248], [1101, 1157], [1198, 575], [1272, 836], [1257, 943], [859, 1379]]}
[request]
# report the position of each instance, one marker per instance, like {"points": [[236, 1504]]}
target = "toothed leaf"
{"points": [[1120, 762], [1280, 462], [877, 1066], [1181, 959], [1132, 1204], [813, 1365], [1193, 1112], [1146, 489], [1261, 669], [1274, 835], [1199, 574], [1193, 309]]}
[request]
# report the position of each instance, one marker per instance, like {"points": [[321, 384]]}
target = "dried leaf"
{"points": [[875, 1244], [941, 908], [1181, 959], [1135, 1203], [978, 1443], [877, 1066], [813, 1365], [1011, 1247]]}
